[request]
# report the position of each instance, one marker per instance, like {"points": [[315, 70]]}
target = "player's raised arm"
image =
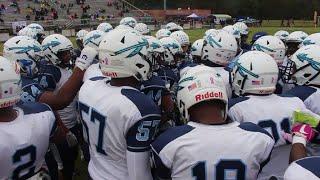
{"points": [[69, 90]]}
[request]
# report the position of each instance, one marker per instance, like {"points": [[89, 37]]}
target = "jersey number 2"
{"points": [[94, 117], [28, 166]]}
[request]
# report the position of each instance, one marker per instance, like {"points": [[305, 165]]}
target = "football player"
{"points": [[185, 152], [217, 52], [59, 78], [244, 31], [196, 50], [143, 29], [254, 78], [105, 27], [25, 129], [120, 121]]}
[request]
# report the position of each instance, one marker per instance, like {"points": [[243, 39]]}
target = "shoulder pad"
{"points": [[34, 107], [302, 92], [169, 136], [237, 100], [249, 126], [144, 104], [311, 164]]}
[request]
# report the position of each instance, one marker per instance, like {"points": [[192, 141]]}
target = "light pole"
{"points": [[165, 5]]}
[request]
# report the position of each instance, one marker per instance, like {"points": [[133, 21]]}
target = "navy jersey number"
{"points": [[235, 167], [284, 125], [95, 117], [28, 166]]}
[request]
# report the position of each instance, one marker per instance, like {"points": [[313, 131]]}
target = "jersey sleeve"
{"points": [[143, 124], [235, 112], [31, 93]]}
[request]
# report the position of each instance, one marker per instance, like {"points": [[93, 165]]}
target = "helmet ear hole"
{"points": [[140, 65], [306, 75]]}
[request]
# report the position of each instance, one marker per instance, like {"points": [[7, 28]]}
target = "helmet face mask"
{"points": [[303, 67]]}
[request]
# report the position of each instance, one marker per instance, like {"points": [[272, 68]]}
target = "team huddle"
{"points": [[140, 107]]}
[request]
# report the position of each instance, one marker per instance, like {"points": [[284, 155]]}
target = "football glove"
{"points": [[303, 130], [86, 58]]}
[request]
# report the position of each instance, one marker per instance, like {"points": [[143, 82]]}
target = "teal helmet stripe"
{"points": [[95, 36], [212, 42], [136, 48], [51, 44], [308, 42], [26, 49], [243, 71], [262, 48], [314, 64]]}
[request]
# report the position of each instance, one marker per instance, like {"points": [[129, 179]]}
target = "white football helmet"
{"points": [[156, 52], [81, 34], [34, 33], [105, 27], [198, 84], [232, 30], [172, 50], [163, 33], [25, 51], [124, 53], [254, 72], [142, 28], [283, 35], [128, 21], [312, 39], [23, 32], [181, 37], [219, 49], [35, 26], [54, 45], [93, 39], [242, 27], [212, 32], [10, 83], [272, 46], [196, 48], [296, 36], [303, 67], [171, 26]]}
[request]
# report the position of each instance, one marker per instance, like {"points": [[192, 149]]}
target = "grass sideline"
{"points": [[198, 33]]}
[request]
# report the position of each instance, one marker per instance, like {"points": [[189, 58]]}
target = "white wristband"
{"points": [[299, 139]]}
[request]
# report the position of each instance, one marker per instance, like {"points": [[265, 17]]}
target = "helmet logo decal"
{"points": [[136, 48], [304, 57], [26, 49], [95, 36], [308, 42], [186, 79], [262, 48], [243, 71], [155, 45], [51, 44], [212, 42]]}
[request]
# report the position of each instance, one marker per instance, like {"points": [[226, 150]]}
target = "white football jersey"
{"points": [[92, 72], [225, 77], [307, 168], [273, 113], [198, 151], [68, 115], [24, 141], [116, 120]]}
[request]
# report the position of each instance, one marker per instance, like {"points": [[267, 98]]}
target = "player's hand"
{"points": [[305, 118], [303, 130], [71, 139], [86, 58]]}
